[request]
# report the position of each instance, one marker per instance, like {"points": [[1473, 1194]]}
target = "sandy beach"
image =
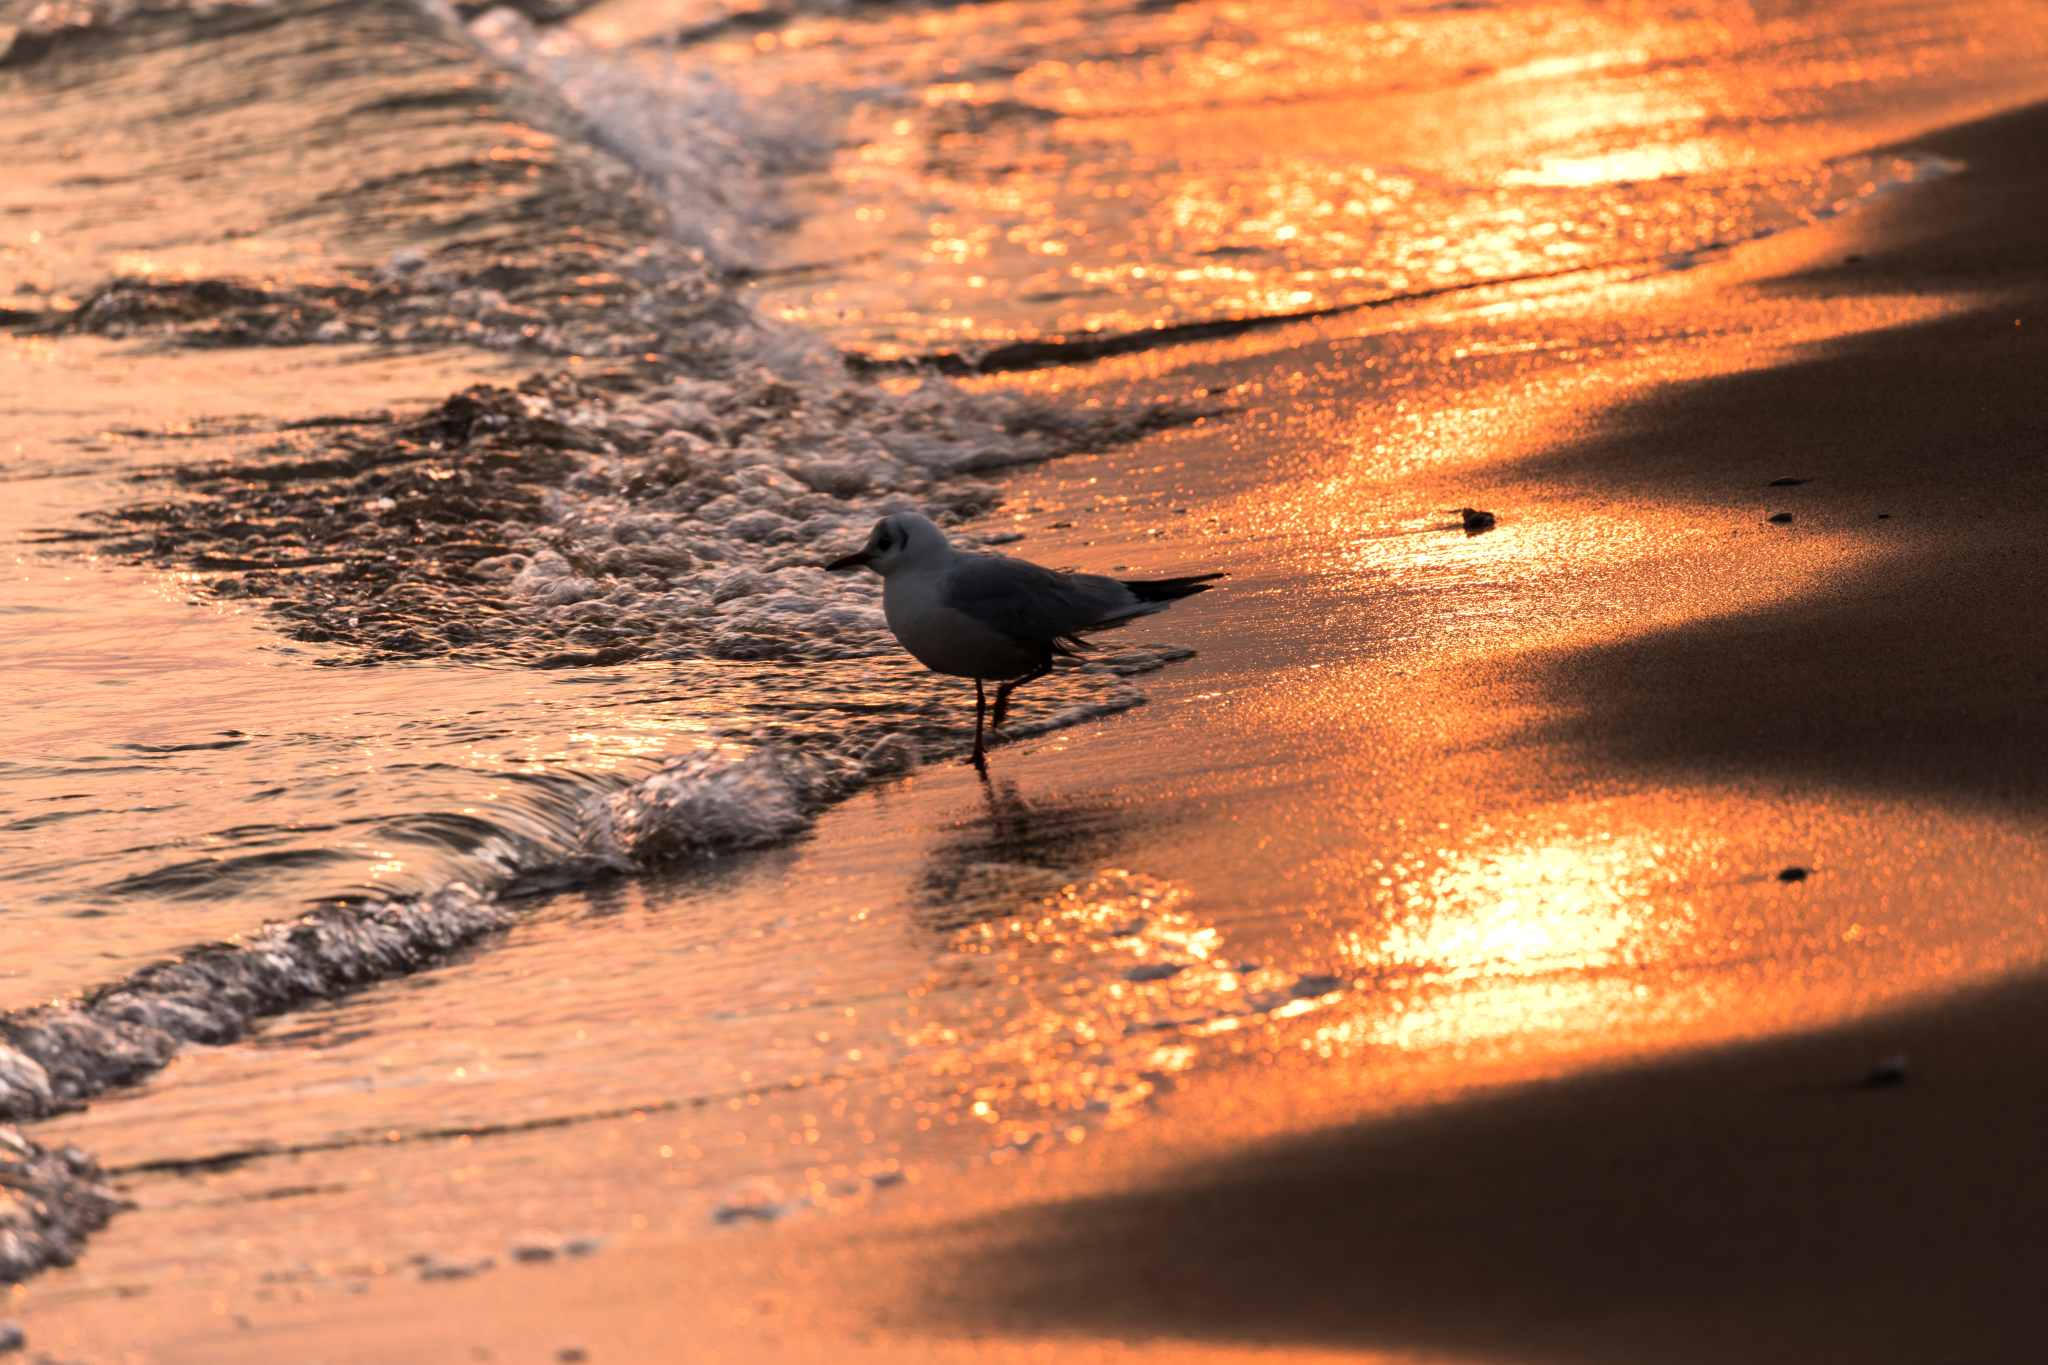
{"points": [[1626, 1092]]}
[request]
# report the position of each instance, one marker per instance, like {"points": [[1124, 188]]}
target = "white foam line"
{"points": [[55, 1056]]}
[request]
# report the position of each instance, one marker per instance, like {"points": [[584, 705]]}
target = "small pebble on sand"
{"points": [[1794, 874], [1780, 518], [434, 1268]]}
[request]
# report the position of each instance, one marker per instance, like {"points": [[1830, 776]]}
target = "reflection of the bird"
{"points": [[1061, 996], [1000, 857]]}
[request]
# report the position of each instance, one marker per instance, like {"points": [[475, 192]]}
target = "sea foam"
{"points": [[673, 506]]}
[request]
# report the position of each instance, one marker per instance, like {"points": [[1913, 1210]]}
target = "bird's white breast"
{"points": [[946, 640]]}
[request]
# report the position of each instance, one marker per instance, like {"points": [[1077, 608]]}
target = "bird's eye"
{"points": [[882, 543]]}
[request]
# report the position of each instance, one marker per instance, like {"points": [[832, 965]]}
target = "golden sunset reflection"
{"points": [[1488, 923], [1067, 1010], [1049, 172], [1517, 940], [1599, 928], [1072, 1006], [1653, 922], [1567, 906]]}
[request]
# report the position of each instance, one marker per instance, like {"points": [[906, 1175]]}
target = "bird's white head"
{"points": [[896, 542]]}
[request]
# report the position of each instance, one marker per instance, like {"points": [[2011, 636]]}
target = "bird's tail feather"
{"points": [[1169, 589]]}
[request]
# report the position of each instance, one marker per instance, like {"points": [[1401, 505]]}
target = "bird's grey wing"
{"points": [[1030, 604]]}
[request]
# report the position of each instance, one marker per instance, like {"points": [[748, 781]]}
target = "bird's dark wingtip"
{"points": [[1170, 589]]}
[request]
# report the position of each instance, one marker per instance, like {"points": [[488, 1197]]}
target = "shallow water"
{"points": [[940, 979], [1308, 861], [1048, 172]]}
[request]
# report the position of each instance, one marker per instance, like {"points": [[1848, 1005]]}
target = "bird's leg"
{"points": [[1003, 692], [980, 759]]}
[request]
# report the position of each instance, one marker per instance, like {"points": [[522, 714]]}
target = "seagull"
{"points": [[989, 618]]}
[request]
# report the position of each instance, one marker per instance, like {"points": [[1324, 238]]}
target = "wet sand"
{"points": [[1583, 1180], [1755, 1202]]}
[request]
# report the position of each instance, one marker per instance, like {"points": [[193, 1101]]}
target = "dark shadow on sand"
{"points": [[1760, 1204], [1927, 671]]}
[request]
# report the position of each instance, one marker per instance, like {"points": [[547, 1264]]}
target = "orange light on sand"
{"points": [[1504, 941], [1638, 163]]}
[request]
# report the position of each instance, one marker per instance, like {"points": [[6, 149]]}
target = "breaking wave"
{"points": [[57, 1057], [670, 503]]}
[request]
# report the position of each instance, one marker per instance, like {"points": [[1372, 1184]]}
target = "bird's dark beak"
{"points": [[857, 560]]}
